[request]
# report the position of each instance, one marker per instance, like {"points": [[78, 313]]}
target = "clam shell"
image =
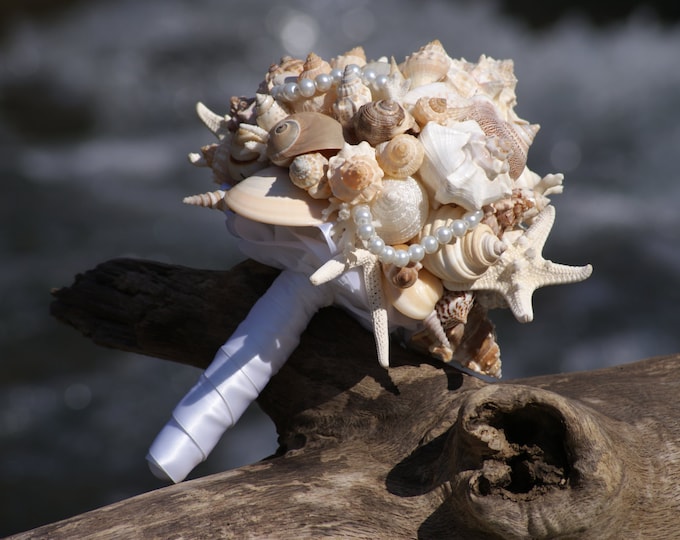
{"points": [[354, 175], [401, 156], [269, 197], [418, 300], [379, 121], [428, 64], [400, 210], [301, 133]]}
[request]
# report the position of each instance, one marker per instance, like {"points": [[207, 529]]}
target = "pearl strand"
{"points": [[361, 215], [322, 83]]}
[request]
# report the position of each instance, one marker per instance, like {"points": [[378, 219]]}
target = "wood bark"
{"points": [[421, 450]]}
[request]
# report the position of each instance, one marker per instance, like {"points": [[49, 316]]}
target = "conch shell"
{"points": [[465, 259], [428, 64], [400, 210], [379, 121], [301, 133], [401, 156], [308, 171], [354, 175]]}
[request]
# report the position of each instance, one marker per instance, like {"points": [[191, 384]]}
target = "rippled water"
{"points": [[97, 116]]}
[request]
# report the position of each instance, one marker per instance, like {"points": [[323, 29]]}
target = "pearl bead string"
{"points": [[361, 215], [322, 83]]}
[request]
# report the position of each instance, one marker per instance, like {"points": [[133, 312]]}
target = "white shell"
{"points": [[428, 64], [268, 111], [400, 210], [212, 199], [269, 197], [418, 300], [308, 171], [450, 169], [354, 175], [352, 93]]}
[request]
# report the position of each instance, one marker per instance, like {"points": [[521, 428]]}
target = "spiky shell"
{"points": [[428, 64], [351, 93], [418, 300], [269, 197], [399, 210], [301, 133], [401, 156], [379, 121], [354, 175]]}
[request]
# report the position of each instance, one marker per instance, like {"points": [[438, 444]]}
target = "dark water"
{"points": [[96, 118]]}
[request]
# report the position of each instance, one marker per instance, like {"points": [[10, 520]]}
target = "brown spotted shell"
{"points": [[379, 121], [401, 156]]}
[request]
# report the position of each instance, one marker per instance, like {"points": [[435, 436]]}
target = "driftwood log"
{"points": [[417, 451]]}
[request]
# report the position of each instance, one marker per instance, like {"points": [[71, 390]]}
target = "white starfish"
{"points": [[372, 281], [522, 269]]}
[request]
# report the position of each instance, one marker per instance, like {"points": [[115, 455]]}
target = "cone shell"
{"points": [[380, 121], [354, 175], [401, 156], [465, 259], [400, 210], [213, 199], [427, 65], [269, 197], [301, 133], [417, 301]]}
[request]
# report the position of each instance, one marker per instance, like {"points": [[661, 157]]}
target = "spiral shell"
{"points": [[428, 64], [351, 93], [453, 308], [268, 111], [401, 156], [466, 259], [400, 210], [288, 68], [301, 133], [212, 199], [356, 56], [379, 121], [431, 109], [417, 301], [321, 102], [354, 175], [308, 171]]}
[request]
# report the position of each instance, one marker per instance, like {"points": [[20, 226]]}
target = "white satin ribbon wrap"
{"points": [[260, 345]]}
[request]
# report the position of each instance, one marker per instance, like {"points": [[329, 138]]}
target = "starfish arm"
{"points": [[331, 269], [537, 234]]}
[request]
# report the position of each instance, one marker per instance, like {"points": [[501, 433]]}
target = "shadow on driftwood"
{"points": [[417, 451]]}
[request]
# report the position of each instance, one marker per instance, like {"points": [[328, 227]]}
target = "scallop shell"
{"points": [[400, 210], [431, 109], [354, 175], [212, 199], [269, 197], [351, 93], [465, 259], [428, 64], [379, 121], [269, 112], [301, 133], [450, 170], [400, 157], [308, 171], [417, 301], [356, 56]]}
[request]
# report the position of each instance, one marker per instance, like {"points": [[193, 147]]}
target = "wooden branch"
{"points": [[420, 450]]}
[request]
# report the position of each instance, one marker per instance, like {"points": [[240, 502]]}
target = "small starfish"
{"points": [[372, 281], [522, 269]]}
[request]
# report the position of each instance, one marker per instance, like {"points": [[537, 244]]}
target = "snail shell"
{"points": [[400, 210], [288, 68], [453, 308], [268, 111], [417, 301], [356, 56], [269, 197], [213, 199], [301, 133], [351, 93], [308, 171], [354, 175], [431, 109], [379, 121], [247, 153], [428, 64], [314, 66], [466, 259], [401, 156]]}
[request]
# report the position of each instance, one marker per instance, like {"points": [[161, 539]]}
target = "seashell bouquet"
{"points": [[398, 191]]}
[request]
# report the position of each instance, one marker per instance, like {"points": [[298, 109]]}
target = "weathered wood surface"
{"points": [[419, 451]]}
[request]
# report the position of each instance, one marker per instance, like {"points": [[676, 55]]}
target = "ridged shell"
{"points": [[453, 168], [269, 112], [465, 259], [269, 197], [396, 86], [400, 210], [354, 175], [314, 66], [453, 308], [379, 121], [401, 156], [431, 109], [351, 93], [417, 301], [288, 69], [428, 64], [213, 199], [476, 347], [308, 171], [301, 133], [356, 56]]}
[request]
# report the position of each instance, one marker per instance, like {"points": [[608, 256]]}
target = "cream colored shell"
{"points": [[418, 300], [401, 156], [354, 175], [399, 210]]}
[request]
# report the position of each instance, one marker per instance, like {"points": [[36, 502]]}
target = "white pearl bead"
{"points": [[380, 81], [473, 218], [336, 75], [365, 231], [369, 76], [307, 87], [352, 68], [323, 82], [416, 252], [443, 235], [459, 227], [429, 243], [387, 255], [361, 212], [401, 258], [291, 91], [375, 245]]}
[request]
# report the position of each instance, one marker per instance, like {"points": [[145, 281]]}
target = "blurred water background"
{"points": [[96, 118]]}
